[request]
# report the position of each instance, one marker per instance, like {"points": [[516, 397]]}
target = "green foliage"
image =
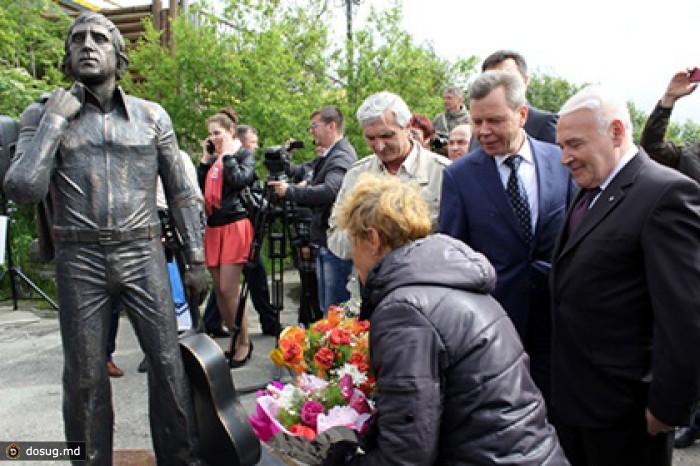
{"points": [[683, 132], [638, 118], [18, 89], [549, 93], [32, 34], [274, 77], [387, 58]]}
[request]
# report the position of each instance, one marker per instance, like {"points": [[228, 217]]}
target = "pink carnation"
{"points": [[310, 412]]}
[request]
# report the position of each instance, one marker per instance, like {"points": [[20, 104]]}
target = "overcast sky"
{"points": [[634, 47]]}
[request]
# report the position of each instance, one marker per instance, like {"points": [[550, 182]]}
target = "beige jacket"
{"points": [[427, 173]]}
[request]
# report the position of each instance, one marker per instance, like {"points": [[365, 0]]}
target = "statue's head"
{"points": [[94, 49]]}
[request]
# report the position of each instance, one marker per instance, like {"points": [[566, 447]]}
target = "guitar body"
{"points": [[225, 435]]}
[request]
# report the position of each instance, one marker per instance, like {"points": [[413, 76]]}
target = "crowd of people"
{"points": [[532, 290]]}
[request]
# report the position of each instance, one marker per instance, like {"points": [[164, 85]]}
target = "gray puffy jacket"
{"points": [[452, 378]]}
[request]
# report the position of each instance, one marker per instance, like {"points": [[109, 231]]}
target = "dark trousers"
{"points": [[309, 308], [627, 444], [91, 279], [256, 277]]}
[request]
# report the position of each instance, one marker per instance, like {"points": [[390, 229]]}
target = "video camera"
{"points": [[276, 158], [439, 142]]}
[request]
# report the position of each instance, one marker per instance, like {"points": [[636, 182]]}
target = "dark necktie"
{"points": [[518, 197], [581, 208]]}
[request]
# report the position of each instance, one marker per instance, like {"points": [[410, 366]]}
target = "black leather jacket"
{"points": [[683, 157], [239, 172], [452, 378]]}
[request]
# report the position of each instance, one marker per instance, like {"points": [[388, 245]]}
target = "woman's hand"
{"points": [[228, 145], [207, 156]]}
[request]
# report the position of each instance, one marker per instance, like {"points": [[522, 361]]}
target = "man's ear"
{"points": [[523, 114], [618, 132]]}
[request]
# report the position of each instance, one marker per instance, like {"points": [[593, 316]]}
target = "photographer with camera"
{"points": [[326, 178], [225, 170], [455, 114]]}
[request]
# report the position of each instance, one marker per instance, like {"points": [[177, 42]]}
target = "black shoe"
{"points": [[235, 364], [219, 333], [143, 366], [685, 437]]}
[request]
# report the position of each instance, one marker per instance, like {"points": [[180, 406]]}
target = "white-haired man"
{"points": [[384, 118], [624, 286]]}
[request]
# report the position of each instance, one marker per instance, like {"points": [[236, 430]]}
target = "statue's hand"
{"points": [[195, 283], [63, 103]]}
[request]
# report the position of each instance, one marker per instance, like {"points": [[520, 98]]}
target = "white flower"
{"points": [[285, 397], [358, 378], [311, 383]]}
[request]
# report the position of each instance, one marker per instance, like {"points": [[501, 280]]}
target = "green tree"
{"points": [[273, 75], [549, 92], [387, 58], [31, 50]]}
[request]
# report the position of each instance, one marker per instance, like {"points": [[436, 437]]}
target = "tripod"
{"points": [[274, 218], [17, 277]]}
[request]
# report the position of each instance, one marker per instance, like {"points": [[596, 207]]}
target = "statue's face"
{"points": [[92, 54]]}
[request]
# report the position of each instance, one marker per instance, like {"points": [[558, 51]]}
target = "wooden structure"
{"points": [[129, 20]]}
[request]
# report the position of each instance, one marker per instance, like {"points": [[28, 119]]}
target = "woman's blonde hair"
{"points": [[394, 209]]}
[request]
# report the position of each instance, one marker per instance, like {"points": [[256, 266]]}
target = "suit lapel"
{"points": [[490, 180], [607, 202], [545, 185]]}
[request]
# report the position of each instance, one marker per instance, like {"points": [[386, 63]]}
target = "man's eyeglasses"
{"points": [[317, 125]]}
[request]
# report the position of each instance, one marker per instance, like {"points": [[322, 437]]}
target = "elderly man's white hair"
{"points": [[375, 106], [605, 106]]}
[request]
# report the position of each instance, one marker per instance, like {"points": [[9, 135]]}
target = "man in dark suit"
{"points": [[507, 200], [540, 124], [624, 285], [319, 194]]}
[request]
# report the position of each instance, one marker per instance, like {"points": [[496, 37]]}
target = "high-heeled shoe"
{"points": [[236, 363]]}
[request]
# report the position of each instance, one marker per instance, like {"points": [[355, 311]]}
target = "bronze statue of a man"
{"points": [[99, 153]]}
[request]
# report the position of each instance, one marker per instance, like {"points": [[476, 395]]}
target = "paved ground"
{"points": [[30, 378]]}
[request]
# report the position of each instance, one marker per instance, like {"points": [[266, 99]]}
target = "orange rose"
{"points": [[335, 316], [359, 360], [292, 352], [363, 325], [295, 334], [322, 326], [339, 337], [324, 358]]}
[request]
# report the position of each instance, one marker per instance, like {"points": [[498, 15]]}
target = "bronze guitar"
{"points": [[225, 435]]}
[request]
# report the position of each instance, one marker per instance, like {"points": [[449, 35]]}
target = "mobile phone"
{"points": [[210, 147], [694, 75]]}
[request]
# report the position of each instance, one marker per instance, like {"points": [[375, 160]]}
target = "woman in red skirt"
{"points": [[224, 171]]}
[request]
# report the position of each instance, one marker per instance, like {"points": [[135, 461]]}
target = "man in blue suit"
{"points": [[540, 124], [507, 200]]}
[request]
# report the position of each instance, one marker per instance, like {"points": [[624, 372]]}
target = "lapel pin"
{"points": [[611, 198]]}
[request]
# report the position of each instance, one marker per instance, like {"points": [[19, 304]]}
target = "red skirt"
{"points": [[228, 244]]}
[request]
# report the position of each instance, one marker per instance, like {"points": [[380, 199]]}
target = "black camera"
{"points": [[439, 142], [276, 159]]}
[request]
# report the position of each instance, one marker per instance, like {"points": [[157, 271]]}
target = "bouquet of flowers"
{"points": [[333, 385]]}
